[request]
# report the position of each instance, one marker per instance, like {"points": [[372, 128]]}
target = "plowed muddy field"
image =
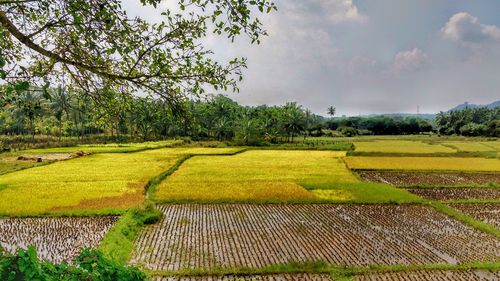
{"points": [[489, 213], [56, 239], [457, 193], [441, 275], [416, 178], [255, 236], [275, 277]]}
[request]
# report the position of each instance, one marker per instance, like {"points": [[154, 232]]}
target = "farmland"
{"points": [[287, 177], [103, 181], [245, 213], [235, 236], [424, 163], [56, 239], [401, 146], [404, 178]]}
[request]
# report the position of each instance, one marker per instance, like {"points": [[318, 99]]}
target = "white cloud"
{"points": [[338, 11], [462, 27], [411, 60]]}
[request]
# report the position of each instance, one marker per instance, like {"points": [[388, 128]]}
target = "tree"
{"points": [[95, 45], [331, 111]]}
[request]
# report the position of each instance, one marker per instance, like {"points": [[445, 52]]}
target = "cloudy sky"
{"points": [[365, 56]]}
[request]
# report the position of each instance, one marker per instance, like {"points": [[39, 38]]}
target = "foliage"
{"points": [[380, 125], [118, 243], [89, 265], [423, 163], [96, 48], [217, 118], [480, 121]]}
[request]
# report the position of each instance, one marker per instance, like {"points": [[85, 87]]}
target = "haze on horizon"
{"points": [[364, 57]]}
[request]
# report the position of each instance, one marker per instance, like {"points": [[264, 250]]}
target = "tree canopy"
{"points": [[93, 46]]}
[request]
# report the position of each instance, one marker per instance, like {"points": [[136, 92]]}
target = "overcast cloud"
{"points": [[365, 56]]}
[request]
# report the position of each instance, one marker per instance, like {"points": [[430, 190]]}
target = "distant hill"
{"points": [[471, 105]]}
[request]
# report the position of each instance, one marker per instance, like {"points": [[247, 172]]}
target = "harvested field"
{"points": [[56, 239], [489, 213], [274, 277], [442, 275], [438, 179], [457, 193], [255, 236], [423, 163]]}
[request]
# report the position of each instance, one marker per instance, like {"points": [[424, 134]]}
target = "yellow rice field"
{"points": [[423, 163], [96, 182], [254, 175]]}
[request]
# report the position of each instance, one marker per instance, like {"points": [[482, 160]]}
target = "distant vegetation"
{"points": [[68, 118], [480, 121]]}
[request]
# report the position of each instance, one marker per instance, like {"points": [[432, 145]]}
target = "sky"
{"points": [[365, 56]]}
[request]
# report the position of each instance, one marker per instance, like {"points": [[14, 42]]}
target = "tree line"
{"points": [[62, 113], [480, 121]]}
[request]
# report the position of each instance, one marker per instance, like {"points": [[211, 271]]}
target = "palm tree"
{"points": [[331, 111]]}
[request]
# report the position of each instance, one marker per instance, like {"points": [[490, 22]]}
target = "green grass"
{"points": [[118, 243], [362, 192], [9, 166], [465, 219], [401, 146], [103, 148], [316, 267], [424, 163]]}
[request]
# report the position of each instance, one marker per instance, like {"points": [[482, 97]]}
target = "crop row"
{"points": [[56, 239], [457, 193], [412, 179], [255, 236], [489, 213], [433, 275], [275, 277]]}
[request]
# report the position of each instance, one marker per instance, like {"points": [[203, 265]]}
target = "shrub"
{"points": [[348, 131], [89, 265]]}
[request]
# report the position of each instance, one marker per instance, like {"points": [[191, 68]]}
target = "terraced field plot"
{"points": [[437, 179], [401, 146], [442, 275], [489, 213], [92, 183], [424, 163], [275, 277], [457, 193], [56, 239], [272, 176], [102, 148], [254, 175], [255, 236], [476, 146]]}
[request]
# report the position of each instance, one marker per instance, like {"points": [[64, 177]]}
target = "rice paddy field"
{"points": [[385, 208], [401, 146], [423, 163]]}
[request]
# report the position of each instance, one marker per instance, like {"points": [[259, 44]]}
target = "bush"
{"points": [[473, 129], [89, 265], [348, 131]]}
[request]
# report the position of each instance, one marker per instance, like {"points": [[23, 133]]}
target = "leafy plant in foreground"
{"points": [[89, 265]]}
